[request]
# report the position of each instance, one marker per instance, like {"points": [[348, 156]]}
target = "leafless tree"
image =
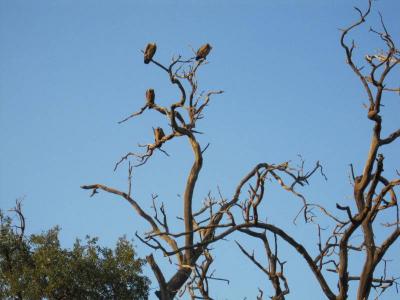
{"points": [[19, 229], [374, 195], [219, 217], [275, 274], [215, 219], [193, 103]]}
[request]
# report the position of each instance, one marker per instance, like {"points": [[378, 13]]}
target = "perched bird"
{"points": [[158, 134], [150, 97], [203, 51], [149, 52]]}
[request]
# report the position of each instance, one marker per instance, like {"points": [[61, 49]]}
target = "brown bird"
{"points": [[158, 134], [203, 51], [149, 52], [150, 97]]}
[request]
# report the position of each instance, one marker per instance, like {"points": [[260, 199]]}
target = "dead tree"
{"points": [[221, 216], [180, 72], [374, 195], [215, 219], [371, 187], [274, 269]]}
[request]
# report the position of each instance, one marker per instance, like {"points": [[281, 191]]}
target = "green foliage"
{"points": [[36, 267]]}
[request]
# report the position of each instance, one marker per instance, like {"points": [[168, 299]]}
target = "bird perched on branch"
{"points": [[149, 52], [203, 51], [150, 98], [158, 134]]}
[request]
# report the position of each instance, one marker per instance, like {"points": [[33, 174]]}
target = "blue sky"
{"points": [[69, 70]]}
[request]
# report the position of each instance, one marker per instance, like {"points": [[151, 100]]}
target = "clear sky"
{"points": [[69, 70]]}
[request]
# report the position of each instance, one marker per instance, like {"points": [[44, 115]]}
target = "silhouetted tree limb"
{"points": [[373, 191]]}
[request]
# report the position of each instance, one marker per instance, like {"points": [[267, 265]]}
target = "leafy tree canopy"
{"points": [[37, 267]]}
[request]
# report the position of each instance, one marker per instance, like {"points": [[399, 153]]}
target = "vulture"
{"points": [[158, 134], [203, 51], [150, 97], [149, 52]]}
